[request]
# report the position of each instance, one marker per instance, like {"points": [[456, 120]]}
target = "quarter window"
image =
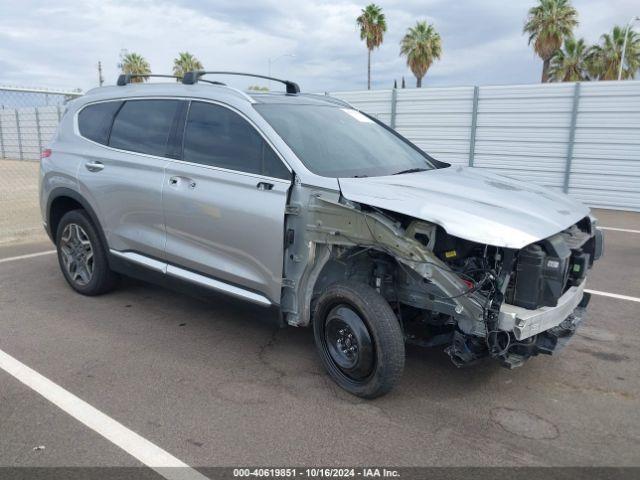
{"points": [[219, 137], [144, 126], [94, 121]]}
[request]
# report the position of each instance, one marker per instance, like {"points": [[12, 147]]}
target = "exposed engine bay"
{"points": [[475, 300]]}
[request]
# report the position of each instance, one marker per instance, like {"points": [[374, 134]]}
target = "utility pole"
{"points": [[100, 77]]}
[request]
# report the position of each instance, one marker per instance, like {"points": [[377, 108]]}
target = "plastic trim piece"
{"points": [[192, 277]]}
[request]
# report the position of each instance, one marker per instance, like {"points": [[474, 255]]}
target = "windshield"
{"points": [[342, 142]]}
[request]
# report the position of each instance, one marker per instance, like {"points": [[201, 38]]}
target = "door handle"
{"points": [[94, 166], [175, 180], [264, 186]]}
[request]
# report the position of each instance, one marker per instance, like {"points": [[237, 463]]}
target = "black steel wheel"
{"points": [[349, 342], [359, 339]]}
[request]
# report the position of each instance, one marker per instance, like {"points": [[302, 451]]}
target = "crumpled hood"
{"points": [[471, 203]]}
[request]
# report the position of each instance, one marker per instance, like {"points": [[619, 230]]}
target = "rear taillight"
{"points": [[46, 153]]}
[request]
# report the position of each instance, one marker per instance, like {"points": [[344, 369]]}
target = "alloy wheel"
{"points": [[77, 254]]}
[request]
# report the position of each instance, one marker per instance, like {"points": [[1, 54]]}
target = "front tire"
{"points": [[82, 256], [359, 339]]}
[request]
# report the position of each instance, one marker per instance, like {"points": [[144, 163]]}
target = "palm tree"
{"points": [[571, 63], [136, 64], [605, 57], [185, 62], [422, 46], [548, 24], [372, 25]]}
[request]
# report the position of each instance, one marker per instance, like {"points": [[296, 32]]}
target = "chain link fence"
{"points": [[28, 120]]}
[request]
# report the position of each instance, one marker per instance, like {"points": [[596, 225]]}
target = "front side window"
{"points": [[342, 142], [94, 121], [144, 126], [219, 137]]}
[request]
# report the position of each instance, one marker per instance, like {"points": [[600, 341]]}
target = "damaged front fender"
{"points": [[328, 224]]}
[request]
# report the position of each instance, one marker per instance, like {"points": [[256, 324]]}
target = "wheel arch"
{"points": [[63, 200], [352, 264]]}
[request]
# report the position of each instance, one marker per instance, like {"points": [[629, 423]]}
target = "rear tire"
{"points": [[359, 339], [81, 255]]}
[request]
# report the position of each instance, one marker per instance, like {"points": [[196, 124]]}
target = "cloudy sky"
{"points": [[58, 43]]}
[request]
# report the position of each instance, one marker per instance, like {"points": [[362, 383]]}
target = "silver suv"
{"points": [[303, 203]]}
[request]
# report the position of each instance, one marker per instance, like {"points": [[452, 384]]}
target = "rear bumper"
{"points": [[525, 323]]}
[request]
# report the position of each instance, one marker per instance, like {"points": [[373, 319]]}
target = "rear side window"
{"points": [[94, 121], [144, 126], [219, 137]]}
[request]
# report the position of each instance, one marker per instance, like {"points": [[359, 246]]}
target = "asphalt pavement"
{"points": [[214, 382]]}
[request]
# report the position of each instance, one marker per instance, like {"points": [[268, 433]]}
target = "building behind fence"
{"points": [[582, 138], [28, 120]]}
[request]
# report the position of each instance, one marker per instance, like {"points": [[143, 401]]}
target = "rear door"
{"points": [[224, 202], [123, 179]]}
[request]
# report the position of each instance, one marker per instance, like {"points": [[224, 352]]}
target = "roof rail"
{"points": [[193, 77], [125, 78]]}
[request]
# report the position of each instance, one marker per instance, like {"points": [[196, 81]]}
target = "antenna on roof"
{"points": [[193, 77]]}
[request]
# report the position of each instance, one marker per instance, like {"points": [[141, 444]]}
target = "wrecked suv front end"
{"points": [[407, 249], [495, 298], [477, 300], [533, 298], [520, 255]]}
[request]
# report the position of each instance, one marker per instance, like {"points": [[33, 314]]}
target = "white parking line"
{"points": [[627, 230], [149, 454], [613, 295], [23, 257]]}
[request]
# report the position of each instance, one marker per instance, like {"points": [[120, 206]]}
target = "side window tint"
{"points": [[144, 126], [272, 165], [94, 121], [216, 136]]}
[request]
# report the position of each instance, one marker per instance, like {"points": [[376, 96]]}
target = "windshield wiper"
{"points": [[410, 170]]}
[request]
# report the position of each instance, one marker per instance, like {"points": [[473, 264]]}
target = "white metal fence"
{"points": [[582, 138]]}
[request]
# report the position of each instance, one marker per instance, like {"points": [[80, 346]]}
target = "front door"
{"points": [[224, 202]]}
